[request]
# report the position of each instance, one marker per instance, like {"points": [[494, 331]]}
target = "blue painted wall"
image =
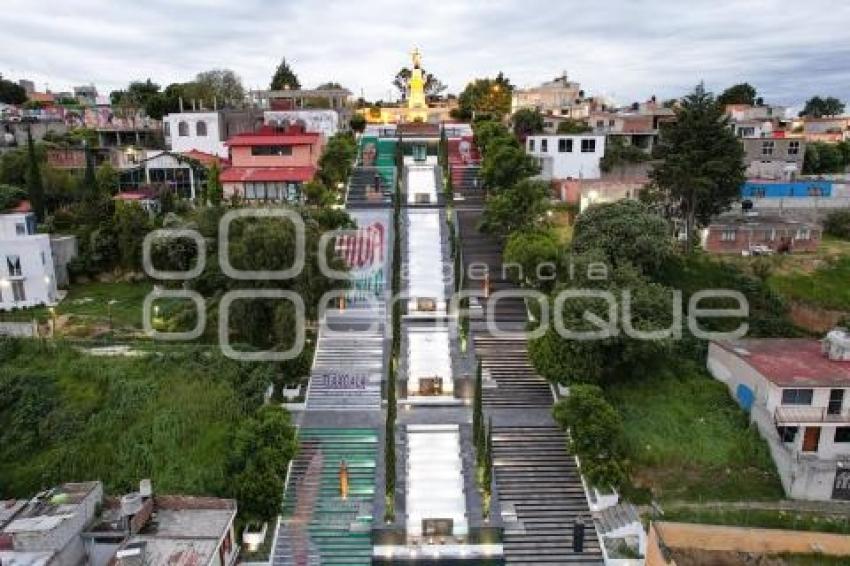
{"points": [[753, 189]]}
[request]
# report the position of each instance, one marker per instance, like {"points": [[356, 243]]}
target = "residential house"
{"points": [[829, 129], [747, 234], [272, 164], [27, 272], [558, 97], [797, 392], [764, 112], [45, 530], [774, 158], [334, 98], [638, 126], [75, 524], [567, 156]]}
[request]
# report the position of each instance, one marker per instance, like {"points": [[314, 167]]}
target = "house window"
{"points": [[565, 145], [183, 129], [794, 148], [273, 150], [610, 123], [787, 433], [842, 434], [18, 293], [767, 147], [201, 129], [167, 129], [530, 145], [728, 235], [20, 229], [544, 145], [815, 192], [803, 234], [13, 262], [797, 396], [600, 124], [588, 146]]}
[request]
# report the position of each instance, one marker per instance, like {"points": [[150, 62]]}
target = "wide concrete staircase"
{"points": [[318, 526], [370, 187], [541, 497], [515, 384], [349, 361]]}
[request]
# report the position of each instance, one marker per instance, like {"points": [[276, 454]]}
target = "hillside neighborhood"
{"points": [[297, 325]]}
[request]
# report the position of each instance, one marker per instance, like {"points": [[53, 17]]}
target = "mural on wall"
{"points": [[364, 252], [325, 122]]}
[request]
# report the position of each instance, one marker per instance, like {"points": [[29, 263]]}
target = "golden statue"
{"points": [[416, 101]]}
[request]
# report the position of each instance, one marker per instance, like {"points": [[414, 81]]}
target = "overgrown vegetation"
{"points": [[686, 439], [188, 418]]}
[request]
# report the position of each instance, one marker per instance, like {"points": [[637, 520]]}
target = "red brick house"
{"points": [[748, 234]]}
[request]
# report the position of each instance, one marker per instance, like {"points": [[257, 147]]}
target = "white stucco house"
{"points": [[797, 392], [27, 274], [567, 156], [200, 131]]}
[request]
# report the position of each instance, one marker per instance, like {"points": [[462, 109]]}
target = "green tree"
{"points": [[219, 86], [526, 122], [490, 133], [625, 232], [613, 355], [261, 450], [478, 433], [490, 96], [530, 250], [570, 126], [35, 188], [824, 158], [317, 194], [357, 123], [107, 179], [742, 93], [215, 193], [505, 165], [284, 77], [837, 224], [596, 434], [618, 152], [10, 196], [817, 107], [523, 206], [702, 167], [337, 159], [11, 93], [131, 224]]}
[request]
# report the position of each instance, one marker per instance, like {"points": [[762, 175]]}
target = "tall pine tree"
{"points": [[35, 187], [702, 168]]}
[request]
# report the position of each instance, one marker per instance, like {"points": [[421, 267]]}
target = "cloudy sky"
{"points": [[626, 49]]}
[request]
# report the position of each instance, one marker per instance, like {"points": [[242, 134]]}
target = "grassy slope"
{"points": [[689, 441], [827, 286], [68, 416]]}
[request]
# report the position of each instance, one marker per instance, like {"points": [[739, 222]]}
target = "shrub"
{"points": [[838, 224], [596, 434]]}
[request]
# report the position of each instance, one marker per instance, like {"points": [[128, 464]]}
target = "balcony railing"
{"points": [[801, 414]]}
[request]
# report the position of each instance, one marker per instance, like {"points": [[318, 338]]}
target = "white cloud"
{"points": [[627, 48]]}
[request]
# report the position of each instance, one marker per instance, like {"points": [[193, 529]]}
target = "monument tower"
{"points": [[418, 108]]}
